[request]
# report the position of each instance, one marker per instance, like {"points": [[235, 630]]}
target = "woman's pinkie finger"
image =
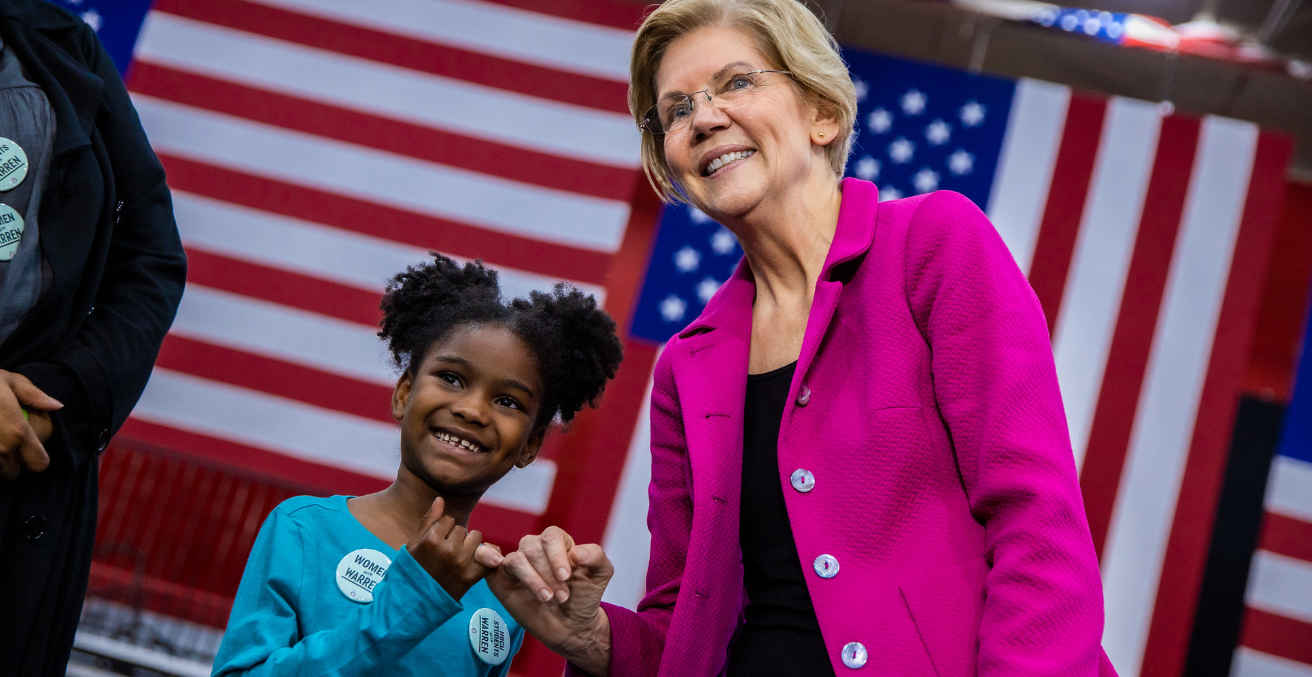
{"points": [[535, 550], [556, 545], [517, 566]]}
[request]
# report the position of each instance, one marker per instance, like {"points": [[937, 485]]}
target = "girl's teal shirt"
{"points": [[291, 618]]}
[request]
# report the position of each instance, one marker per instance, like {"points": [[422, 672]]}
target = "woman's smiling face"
{"points": [[772, 126], [467, 414]]}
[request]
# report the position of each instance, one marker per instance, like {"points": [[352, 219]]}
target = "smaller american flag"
{"points": [[1278, 619]]}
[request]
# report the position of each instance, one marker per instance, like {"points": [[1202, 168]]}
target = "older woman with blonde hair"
{"points": [[860, 461]]}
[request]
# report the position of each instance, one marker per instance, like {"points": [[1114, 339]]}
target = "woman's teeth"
{"points": [[446, 437], [725, 159]]}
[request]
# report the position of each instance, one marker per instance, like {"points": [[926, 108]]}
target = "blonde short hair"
{"points": [[785, 31]]}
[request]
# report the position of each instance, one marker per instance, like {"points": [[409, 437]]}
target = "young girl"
{"points": [[389, 583]]}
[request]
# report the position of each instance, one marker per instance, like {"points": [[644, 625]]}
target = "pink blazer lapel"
{"points": [[710, 372]]}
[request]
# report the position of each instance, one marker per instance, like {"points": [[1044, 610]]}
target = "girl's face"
{"points": [[467, 414]]}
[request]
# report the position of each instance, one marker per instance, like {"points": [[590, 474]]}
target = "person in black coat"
{"points": [[109, 273]]}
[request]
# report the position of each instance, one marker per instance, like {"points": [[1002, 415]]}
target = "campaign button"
{"points": [[13, 164], [360, 572], [489, 636], [11, 232]]}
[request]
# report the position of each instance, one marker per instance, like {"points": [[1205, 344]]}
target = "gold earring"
{"points": [[822, 135]]}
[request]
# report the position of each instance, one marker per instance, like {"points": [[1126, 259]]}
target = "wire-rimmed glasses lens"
{"points": [[674, 111]]}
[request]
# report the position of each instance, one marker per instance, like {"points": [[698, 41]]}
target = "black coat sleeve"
{"points": [[100, 374]]}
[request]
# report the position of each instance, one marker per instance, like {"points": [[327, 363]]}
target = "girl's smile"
{"points": [[467, 414]]}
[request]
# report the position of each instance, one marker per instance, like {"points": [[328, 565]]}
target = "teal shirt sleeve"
{"points": [[263, 638]]}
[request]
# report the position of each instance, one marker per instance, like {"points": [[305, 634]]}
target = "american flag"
{"points": [[316, 147], [1277, 622], [1145, 235]]}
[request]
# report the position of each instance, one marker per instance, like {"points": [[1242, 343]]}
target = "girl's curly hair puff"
{"points": [[573, 340]]}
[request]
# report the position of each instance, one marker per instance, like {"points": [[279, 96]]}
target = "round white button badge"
{"points": [[11, 232], [360, 572], [13, 164], [826, 566], [489, 637]]}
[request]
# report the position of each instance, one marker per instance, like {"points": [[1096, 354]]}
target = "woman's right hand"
{"points": [[553, 587]]}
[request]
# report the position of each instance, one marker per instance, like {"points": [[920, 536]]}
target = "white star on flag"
{"points": [[938, 132], [673, 308], [862, 89], [972, 114], [961, 162], [722, 241], [925, 180], [867, 168], [687, 259], [706, 289], [913, 102], [92, 17], [890, 193], [880, 120], [901, 150], [697, 216]]}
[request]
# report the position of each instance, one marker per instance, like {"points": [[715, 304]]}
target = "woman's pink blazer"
{"points": [[925, 405]]}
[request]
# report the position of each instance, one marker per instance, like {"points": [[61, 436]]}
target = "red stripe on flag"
{"points": [[382, 221], [1191, 530], [276, 377], [499, 525], [261, 462], [1065, 207], [407, 52], [1277, 635], [1127, 357], [285, 288], [394, 136], [1286, 536]]}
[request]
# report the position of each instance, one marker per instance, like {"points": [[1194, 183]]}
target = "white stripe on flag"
{"points": [[1092, 299], [317, 250], [1280, 585], [283, 333], [304, 431], [369, 174], [506, 32], [390, 91], [1168, 406], [1024, 173], [627, 540], [1253, 663], [1289, 491]]}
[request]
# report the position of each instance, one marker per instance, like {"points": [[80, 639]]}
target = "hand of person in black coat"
{"points": [[22, 436]]}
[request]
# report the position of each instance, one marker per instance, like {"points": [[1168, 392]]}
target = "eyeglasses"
{"points": [[674, 111]]}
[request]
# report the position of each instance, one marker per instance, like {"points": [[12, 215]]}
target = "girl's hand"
{"points": [[553, 589], [446, 551]]}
